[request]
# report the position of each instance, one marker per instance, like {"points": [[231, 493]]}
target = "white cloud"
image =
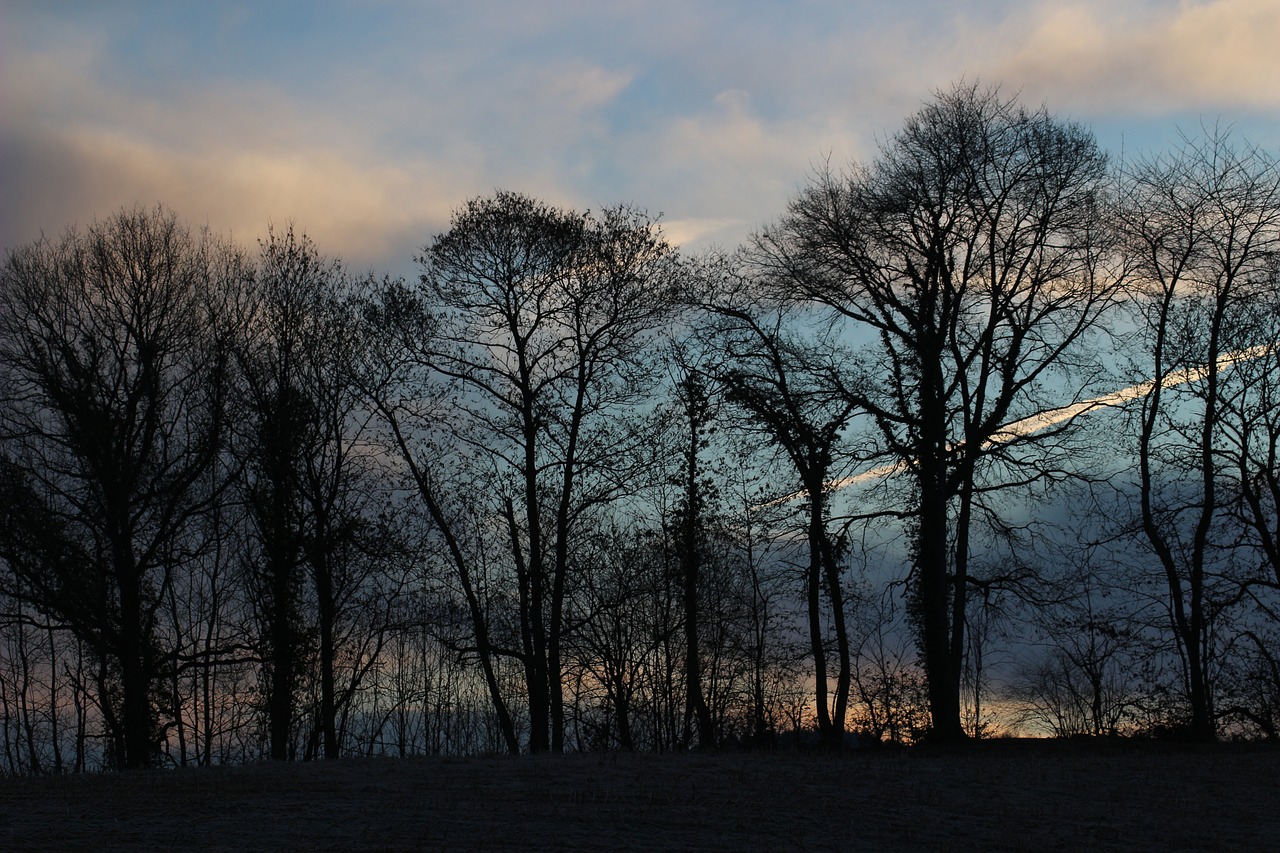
{"points": [[727, 169], [359, 211], [703, 232], [370, 179], [710, 112], [1148, 58]]}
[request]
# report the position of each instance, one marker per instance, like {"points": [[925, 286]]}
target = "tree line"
{"points": [[980, 435]]}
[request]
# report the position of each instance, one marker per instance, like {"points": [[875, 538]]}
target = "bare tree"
{"points": [[889, 702], [533, 324], [1203, 229], [625, 610], [1249, 440], [114, 359], [1085, 682], [752, 519], [967, 257], [310, 486], [697, 409], [794, 392]]}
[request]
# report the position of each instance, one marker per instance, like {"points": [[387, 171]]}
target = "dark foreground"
{"points": [[1000, 795]]}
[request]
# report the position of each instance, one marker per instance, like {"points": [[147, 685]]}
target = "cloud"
{"points": [[360, 211], [369, 178], [724, 168], [1052, 417], [1147, 58], [576, 87], [703, 232], [369, 134]]}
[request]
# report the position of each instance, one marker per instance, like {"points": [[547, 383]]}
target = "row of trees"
{"points": [[574, 490]]}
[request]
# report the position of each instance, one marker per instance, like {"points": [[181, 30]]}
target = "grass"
{"points": [[997, 795]]}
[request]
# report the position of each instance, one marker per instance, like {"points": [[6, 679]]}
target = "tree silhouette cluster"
{"points": [[871, 474]]}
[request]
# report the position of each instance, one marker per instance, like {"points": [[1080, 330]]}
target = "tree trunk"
{"points": [[933, 611], [280, 698], [135, 682], [817, 645], [326, 618], [690, 565], [835, 594]]}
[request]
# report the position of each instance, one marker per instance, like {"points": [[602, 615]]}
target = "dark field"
{"points": [[998, 795]]}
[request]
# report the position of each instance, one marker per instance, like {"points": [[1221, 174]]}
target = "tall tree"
{"points": [[114, 356], [532, 323], [793, 391], [1202, 225], [967, 258], [697, 410], [309, 487]]}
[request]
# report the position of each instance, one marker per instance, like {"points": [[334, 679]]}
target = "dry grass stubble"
{"points": [[999, 795]]}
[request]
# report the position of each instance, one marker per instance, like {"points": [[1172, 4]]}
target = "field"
{"points": [[998, 795]]}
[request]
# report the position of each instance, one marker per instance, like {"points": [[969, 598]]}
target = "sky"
{"points": [[365, 123]]}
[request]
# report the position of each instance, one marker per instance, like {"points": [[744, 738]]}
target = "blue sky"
{"points": [[365, 123]]}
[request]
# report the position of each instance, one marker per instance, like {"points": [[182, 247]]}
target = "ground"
{"points": [[998, 795]]}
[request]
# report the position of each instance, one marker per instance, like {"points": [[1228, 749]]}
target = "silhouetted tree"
{"points": [[1202, 225], [793, 392], [532, 323], [114, 356], [310, 489], [697, 410], [625, 609], [1086, 681], [890, 701], [967, 257]]}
